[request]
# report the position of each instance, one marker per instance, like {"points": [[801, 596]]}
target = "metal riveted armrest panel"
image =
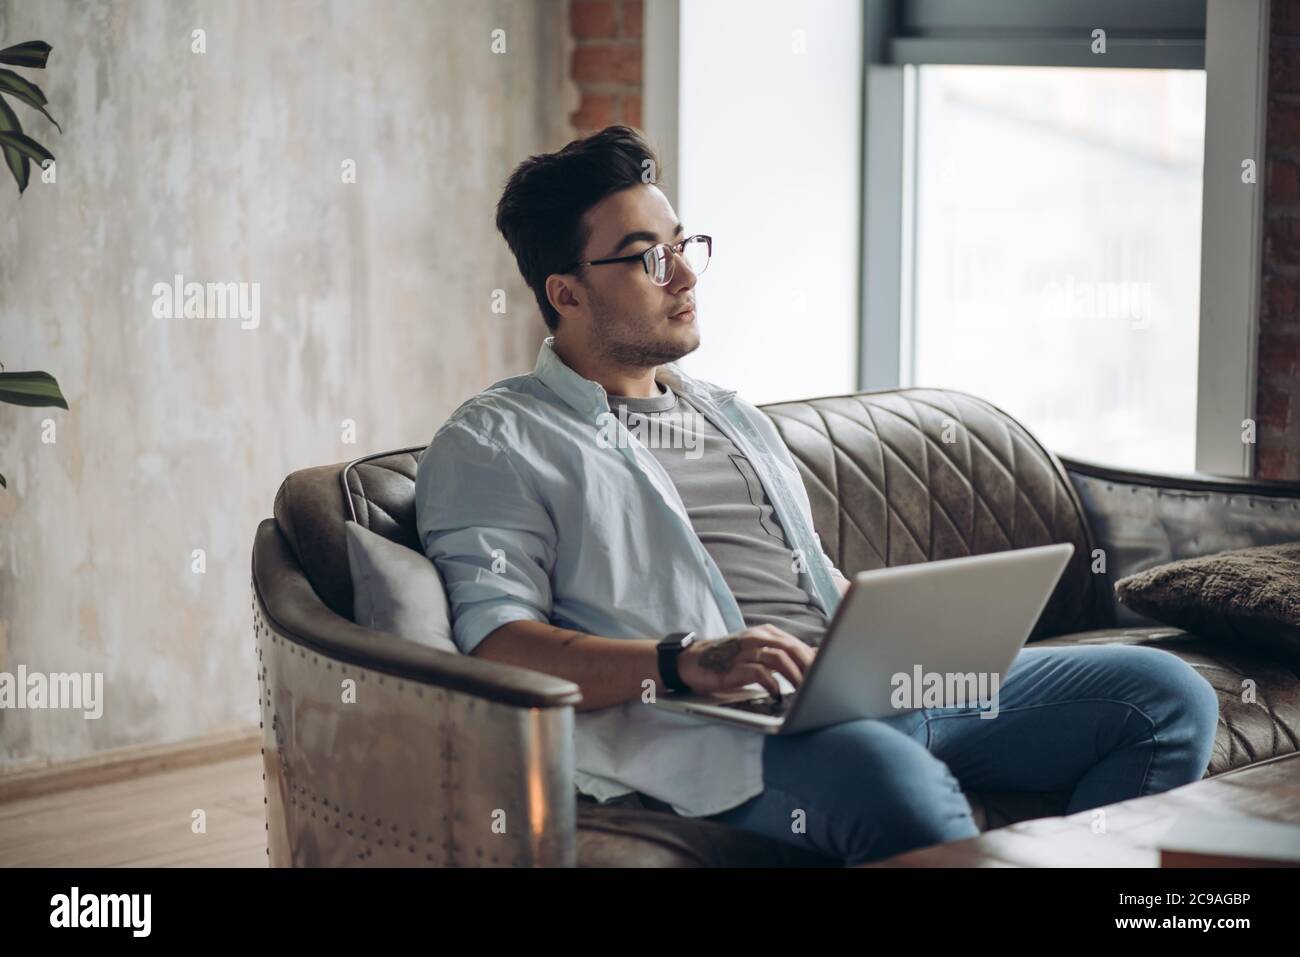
{"points": [[379, 751]]}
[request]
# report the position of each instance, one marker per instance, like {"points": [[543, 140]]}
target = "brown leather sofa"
{"points": [[449, 760]]}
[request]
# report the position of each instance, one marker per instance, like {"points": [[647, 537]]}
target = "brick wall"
{"points": [[606, 64], [1277, 408]]}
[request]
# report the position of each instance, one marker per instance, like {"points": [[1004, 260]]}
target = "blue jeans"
{"points": [[1105, 722]]}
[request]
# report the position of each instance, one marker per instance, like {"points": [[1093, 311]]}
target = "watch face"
{"points": [[680, 639]]}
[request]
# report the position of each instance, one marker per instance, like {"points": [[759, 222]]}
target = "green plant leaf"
{"points": [[25, 145], [18, 164], [32, 53], [30, 388], [29, 93]]}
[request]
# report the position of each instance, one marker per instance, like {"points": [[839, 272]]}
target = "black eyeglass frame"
{"points": [[677, 248]]}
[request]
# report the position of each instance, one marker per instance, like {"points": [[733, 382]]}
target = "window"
{"points": [[1055, 263], [1109, 132]]}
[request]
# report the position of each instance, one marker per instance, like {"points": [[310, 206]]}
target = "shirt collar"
{"points": [[589, 397]]}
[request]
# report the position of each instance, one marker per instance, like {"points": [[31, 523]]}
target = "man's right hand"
{"points": [[748, 656]]}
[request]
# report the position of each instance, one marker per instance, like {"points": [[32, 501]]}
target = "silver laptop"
{"points": [[932, 634]]}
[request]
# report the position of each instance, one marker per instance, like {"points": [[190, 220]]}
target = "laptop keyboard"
{"points": [[768, 705]]}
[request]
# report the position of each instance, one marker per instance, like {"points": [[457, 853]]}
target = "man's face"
{"points": [[629, 320]]}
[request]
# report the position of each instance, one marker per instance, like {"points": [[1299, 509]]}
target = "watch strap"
{"points": [[670, 649]]}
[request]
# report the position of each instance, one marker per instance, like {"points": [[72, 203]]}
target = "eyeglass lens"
{"points": [[660, 260]]}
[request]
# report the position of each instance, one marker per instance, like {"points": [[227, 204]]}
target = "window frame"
{"points": [[1230, 42]]}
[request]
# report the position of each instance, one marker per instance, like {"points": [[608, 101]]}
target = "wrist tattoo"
{"points": [[721, 656]]}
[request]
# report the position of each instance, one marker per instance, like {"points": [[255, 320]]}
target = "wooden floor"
{"points": [[143, 822]]}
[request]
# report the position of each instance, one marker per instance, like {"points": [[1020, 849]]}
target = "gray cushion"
{"points": [[397, 589], [1249, 595]]}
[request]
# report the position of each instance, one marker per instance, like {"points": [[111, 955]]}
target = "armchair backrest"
{"points": [[914, 475], [894, 477]]}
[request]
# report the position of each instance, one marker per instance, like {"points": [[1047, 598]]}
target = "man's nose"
{"points": [[683, 276]]}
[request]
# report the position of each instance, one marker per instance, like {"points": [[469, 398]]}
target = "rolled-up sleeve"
{"points": [[483, 526]]}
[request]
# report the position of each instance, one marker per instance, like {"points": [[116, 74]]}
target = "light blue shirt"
{"points": [[536, 504]]}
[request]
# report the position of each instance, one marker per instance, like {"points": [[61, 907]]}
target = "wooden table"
{"points": [[1269, 790]]}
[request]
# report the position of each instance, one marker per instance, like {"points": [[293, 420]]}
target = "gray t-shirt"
{"points": [[728, 509]]}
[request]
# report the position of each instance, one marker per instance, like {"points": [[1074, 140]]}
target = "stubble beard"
{"points": [[627, 340]]}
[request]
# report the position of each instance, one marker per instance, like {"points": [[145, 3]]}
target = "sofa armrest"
{"points": [[379, 751], [1143, 519]]}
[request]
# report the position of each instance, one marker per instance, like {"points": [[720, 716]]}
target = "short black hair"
{"points": [[540, 211]]}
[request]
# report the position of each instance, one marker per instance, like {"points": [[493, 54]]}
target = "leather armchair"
{"points": [[448, 760]]}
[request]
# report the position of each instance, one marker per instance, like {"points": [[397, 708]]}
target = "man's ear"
{"points": [[561, 292]]}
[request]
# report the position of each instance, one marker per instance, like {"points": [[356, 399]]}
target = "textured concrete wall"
{"points": [[375, 306]]}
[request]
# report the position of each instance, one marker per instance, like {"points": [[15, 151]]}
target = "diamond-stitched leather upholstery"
{"points": [[916, 475]]}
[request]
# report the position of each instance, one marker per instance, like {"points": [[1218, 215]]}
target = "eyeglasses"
{"points": [[659, 259]]}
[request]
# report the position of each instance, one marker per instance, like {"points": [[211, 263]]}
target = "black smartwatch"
{"points": [[669, 650]]}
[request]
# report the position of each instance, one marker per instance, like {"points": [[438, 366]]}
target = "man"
{"points": [[570, 545]]}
